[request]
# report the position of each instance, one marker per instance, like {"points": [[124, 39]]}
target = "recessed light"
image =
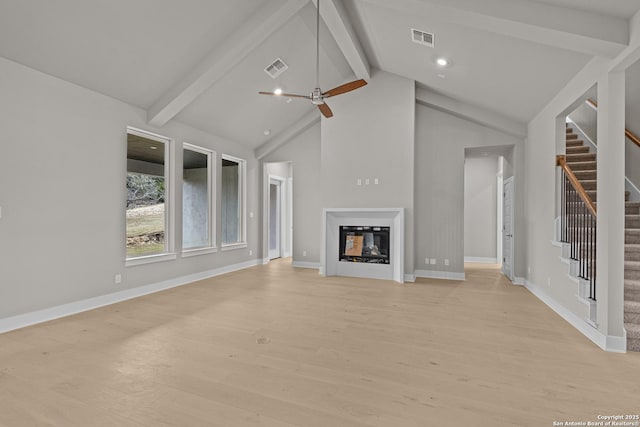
{"points": [[442, 62], [153, 147], [267, 132], [278, 91]]}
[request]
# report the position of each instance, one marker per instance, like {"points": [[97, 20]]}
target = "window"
{"points": [[147, 213], [197, 197], [232, 195]]}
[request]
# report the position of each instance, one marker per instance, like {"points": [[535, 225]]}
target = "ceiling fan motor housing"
{"points": [[316, 97]]}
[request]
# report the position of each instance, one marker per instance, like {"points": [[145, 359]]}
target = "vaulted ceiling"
{"points": [[202, 61]]}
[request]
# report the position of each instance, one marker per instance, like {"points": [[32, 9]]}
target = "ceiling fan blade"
{"points": [[325, 110], [286, 95], [347, 87]]}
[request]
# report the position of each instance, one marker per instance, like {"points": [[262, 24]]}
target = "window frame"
{"points": [[169, 221], [242, 201], [211, 192]]}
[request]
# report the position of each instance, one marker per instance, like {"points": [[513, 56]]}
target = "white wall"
{"points": [[372, 136], [480, 208], [62, 193], [441, 140]]}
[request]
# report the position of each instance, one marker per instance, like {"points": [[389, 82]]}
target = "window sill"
{"points": [[233, 246], [149, 259], [198, 251]]}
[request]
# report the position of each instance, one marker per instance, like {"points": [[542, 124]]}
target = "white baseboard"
{"points": [[431, 274], [410, 278], [519, 281], [302, 264], [608, 343], [481, 260], [23, 320]]}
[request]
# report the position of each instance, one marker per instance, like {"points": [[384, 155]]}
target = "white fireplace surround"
{"points": [[333, 218]]}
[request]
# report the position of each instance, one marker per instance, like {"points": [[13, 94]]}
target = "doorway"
{"points": [[275, 217], [507, 228]]}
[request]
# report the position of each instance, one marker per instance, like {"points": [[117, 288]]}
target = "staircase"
{"points": [[583, 163]]}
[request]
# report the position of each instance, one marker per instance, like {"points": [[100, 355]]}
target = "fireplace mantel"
{"points": [[333, 218]]}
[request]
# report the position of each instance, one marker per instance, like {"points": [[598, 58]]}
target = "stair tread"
{"points": [[632, 247], [632, 306], [632, 264], [632, 283], [633, 330]]}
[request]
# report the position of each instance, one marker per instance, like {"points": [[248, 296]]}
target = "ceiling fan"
{"points": [[317, 97]]}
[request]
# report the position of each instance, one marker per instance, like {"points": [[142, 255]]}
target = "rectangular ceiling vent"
{"points": [[276, 68], [422, 37]]}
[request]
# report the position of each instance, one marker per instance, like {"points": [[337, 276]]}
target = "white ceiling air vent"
{"points": [[422, 37], [276, 68]]}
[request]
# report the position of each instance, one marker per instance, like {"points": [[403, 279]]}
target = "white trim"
{"points": [[198, 251], [520, 281], [303, 264], [150, 259], [607, 343], [23, 320], [447, 275], [481, 260], [410, 278], [233, 246], [265, 261]]}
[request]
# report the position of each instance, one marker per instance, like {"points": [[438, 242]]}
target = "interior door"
{"points": [[275, 194], [507, 228]]}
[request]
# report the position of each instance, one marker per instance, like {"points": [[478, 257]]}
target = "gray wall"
{"points": [[303, 152], [441, 140], [63, 194], [480, 207], [372, 136]]}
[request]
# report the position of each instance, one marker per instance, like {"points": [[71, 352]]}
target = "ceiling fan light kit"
{"points": [[317, 96]]}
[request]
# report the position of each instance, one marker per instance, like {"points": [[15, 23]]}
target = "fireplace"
{"points": [[363, 242]]}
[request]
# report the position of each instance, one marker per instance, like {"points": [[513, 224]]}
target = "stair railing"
{"points": [[578, 224]]}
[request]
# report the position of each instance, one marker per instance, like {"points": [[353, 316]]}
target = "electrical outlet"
{"points": [[446, 262], [118, 279], [358, 181], [250, 252], [432, 261], [250, 214], [366, 181], [376, 181], [304, 253]]}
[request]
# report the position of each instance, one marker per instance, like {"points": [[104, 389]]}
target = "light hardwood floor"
{"points": [[278, 346]]}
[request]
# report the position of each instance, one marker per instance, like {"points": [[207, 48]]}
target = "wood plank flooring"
{"points": [[278, 346]]}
